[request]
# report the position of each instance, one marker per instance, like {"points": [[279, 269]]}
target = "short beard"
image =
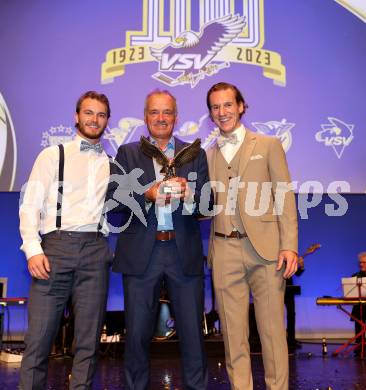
{"points": [[81, 130]]}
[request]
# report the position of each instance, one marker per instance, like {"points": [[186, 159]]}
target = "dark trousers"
{"points": [[80, 269], [141, 295]]}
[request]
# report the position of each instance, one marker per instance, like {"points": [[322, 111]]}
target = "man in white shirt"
{"points": [[253, 241], [66, 247]]}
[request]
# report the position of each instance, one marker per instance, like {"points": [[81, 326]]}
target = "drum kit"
{"points": [[165, 322], [165, 327]]}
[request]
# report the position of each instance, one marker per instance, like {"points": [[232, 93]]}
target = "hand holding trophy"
{"points": [[172, 186]]}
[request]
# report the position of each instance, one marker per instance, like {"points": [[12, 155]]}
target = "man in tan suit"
{"points": [[253, 242]]}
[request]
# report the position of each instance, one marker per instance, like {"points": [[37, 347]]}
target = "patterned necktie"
{"points": [[85, 146], [223, 140]]}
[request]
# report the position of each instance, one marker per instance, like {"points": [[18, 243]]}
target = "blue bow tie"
{"points": [[85, 146], [223, 140]]}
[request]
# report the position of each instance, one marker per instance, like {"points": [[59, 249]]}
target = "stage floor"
{"points": [[309, 370]]}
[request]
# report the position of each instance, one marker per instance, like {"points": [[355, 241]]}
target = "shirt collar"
{"points": [[170, 145], [78, 139]]}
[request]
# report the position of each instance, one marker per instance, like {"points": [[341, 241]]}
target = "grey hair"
{"points": [[158, 91], [361, 255]]}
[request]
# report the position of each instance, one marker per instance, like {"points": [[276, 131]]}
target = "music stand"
{"points": [[354, 287]]}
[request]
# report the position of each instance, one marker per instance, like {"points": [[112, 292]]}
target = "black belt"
{"points": [[73, 234], [165, 235], [233, 234]]}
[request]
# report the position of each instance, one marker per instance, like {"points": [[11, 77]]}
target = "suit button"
{"points": [[230, 177], [229, 167]]}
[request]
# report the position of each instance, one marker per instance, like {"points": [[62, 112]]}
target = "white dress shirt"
{"points": [[229, 150], [86, 176]]}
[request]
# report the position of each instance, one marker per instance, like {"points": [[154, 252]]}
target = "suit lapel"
{"points": [[211, 161], [179, 145], [248, 146], [148, 167]]}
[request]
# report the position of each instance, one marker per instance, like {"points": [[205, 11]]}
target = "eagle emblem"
{"points": [[191, 54], [280, 129]]}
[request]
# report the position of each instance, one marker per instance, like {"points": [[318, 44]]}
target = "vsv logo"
{"points": [[336, 134], [194, 40], [191, 52], [281, 130], [329, 141], [183, 61]]}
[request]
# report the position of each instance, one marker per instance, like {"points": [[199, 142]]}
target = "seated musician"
{"points": [[356, 311]]}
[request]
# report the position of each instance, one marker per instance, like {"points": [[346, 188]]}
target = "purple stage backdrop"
{"points": [[300, 64]]}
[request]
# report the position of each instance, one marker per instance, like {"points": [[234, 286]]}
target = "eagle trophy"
{"points": [[185, 155]]}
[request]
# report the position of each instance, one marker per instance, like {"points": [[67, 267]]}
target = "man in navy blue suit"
{"points": [[161, 241]]}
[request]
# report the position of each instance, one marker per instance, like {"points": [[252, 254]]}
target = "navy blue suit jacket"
{"points": [[135, 243]]}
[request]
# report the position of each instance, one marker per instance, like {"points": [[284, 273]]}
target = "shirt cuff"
{"points": [[31, 249]]}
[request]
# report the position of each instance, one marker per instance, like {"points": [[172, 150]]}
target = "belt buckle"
{"points": [[169, 235], [165, 236]]}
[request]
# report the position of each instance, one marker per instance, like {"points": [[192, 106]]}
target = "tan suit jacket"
{"points": [[270, 229]]}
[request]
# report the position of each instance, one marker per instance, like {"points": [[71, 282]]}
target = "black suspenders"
{"points": [[60, 190], [104, 209], [60, 187]]}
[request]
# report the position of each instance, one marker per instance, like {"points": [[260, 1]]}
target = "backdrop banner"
{"points": [[301, 68]]}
